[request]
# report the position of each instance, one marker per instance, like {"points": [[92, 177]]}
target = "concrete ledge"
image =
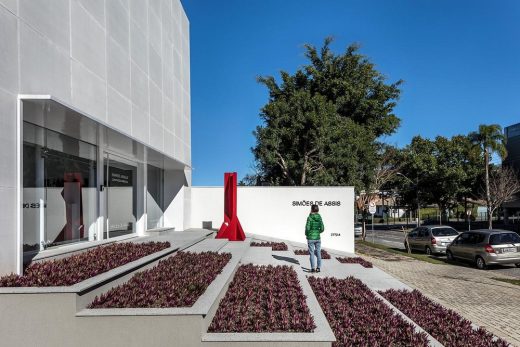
{"points": [[67, 250], [201, 307], [99, 280]]}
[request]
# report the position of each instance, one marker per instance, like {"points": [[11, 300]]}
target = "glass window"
{"points": [[120, 175], [501, 239], [59, 189], [423, 232], [445, 231], [463, 238]]}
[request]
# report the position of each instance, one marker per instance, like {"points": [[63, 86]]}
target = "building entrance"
{"points": [[120, 185]]}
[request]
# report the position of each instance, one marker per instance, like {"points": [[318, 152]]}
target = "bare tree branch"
{"points": [[503, 185]]}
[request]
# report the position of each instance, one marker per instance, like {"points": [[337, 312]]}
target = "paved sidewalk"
{"points": [[473, 293]]}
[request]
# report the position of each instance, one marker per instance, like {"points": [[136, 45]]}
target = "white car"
{"points": [[358, 229]]}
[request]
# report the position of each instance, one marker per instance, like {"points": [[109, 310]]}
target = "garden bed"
{"points": [[359, 318], [324, 254], [275, 246], [445, 325], [263, 299], [79, 267], [355, 260], [177, 281]]}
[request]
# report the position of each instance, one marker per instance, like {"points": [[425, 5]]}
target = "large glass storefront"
{"points": [[83, 181], [59, 189]]}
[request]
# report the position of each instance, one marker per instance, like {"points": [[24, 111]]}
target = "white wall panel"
{"points": [[119, 108], [155, 102], [118, 61], [11, 5], [156, 134], [49, 18], [140, 124], [139, 85], [9, 49], [118, 23], [89, 92], [8, 242], [7, 140], [139, 46], [139, 13], [44, 66], [87, 40], [96, 8], [276, 212]]}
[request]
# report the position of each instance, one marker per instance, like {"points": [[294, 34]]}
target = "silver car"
{"points": [[358, 229], [430, 239], [486, 247]]}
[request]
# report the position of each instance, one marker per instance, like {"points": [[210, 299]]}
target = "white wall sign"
{"points": [[281, 212]]}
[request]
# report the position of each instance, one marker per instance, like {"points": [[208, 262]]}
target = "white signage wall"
{"points": [[281, 212]]}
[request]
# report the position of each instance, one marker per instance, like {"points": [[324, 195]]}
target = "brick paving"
{"points": [[473, 293]]}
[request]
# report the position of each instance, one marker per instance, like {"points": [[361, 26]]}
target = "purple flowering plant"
{"points": [[324, 253], [79, 267], [355, 260], [177, 281], [275, 246], [358, 318], [445, 325], [263, 299]]}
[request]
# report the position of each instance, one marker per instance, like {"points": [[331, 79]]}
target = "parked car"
{"points": [[486, 247], [430, 239], [358, 229]]}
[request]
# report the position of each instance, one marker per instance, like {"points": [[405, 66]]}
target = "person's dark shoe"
{"points": [[318, 270], [313, 271]]}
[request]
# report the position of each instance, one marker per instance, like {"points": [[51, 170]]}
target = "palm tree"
{"points": [[489, 139]]}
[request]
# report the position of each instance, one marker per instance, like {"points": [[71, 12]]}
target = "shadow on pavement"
{"points": [[287, 259]]}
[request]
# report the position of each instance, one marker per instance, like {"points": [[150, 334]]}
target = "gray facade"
{"points": [[114, 71], [512, 134]]}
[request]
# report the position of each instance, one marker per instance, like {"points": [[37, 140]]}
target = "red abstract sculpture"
{"points": [[74, 229], [231, 228]]}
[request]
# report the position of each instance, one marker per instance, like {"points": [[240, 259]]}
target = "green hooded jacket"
{"points": [[314, 227]]}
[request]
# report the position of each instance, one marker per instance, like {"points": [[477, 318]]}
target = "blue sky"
{"points": [[460, 61]]}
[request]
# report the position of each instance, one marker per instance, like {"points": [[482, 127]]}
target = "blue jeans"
{"points": [[314, 251]]}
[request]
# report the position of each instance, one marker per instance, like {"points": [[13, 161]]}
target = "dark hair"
{"points": [[315, 208]]}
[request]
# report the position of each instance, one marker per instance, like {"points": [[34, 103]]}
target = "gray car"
{"points": [[358, 229], [430, 239], [486, 247]]}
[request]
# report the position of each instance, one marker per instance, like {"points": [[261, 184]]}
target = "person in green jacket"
{"points": [[313, 229]]}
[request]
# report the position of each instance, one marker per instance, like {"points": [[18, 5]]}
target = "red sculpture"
{"points": [[231, 228], [74, 229]]}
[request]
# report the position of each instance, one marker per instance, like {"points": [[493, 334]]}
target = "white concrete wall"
{"points": [[276, 212], [174, 202], [125, 63]]}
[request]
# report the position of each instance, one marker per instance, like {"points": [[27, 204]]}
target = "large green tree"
{"points": [[489, 139], [321, 124], [446, 170]]}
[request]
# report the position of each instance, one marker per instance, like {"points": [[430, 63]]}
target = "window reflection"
{"points": [[59, 189]]}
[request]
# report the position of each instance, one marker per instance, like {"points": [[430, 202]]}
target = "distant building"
{"points": [[512, 134]]}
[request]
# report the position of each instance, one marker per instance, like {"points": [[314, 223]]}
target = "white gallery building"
{"points": [[95, 133]]}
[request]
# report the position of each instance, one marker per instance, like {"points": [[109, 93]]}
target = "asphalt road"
{"points": [[395, 239]]}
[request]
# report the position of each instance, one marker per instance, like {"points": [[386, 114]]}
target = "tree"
{"points": [[445, 169], [503, 185], [489, 140], [388, 164], [321, 124]]}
